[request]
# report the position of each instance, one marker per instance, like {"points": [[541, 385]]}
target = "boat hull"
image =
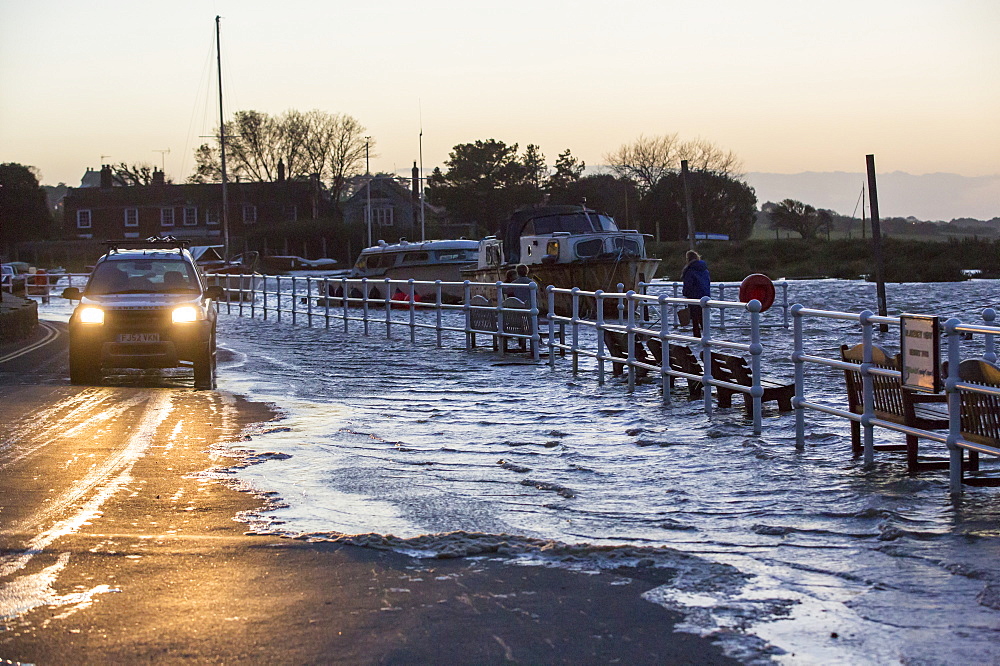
{"points": [[591, 275]]}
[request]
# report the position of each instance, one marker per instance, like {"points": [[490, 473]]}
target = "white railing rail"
{"points": [[721, 289]]}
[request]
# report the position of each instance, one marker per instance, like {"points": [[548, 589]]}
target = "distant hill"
{"points": [[933, 196]]}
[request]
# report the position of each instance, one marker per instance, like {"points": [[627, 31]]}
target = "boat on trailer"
{"points": [[566, 247]]}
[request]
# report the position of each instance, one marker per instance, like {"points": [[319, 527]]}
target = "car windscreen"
{"points": [[143, 275]]}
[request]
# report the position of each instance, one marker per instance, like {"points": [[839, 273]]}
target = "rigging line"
{"points": [[859, 201], [201, 102]]}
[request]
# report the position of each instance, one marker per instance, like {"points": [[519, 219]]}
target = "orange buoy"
{"points": [[757, 286]]}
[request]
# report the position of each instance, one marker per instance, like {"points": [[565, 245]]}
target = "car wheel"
{"points": [[84, 366], [204, 367]]}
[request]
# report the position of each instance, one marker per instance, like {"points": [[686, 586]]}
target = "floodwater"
{"points": [[785, 555]]}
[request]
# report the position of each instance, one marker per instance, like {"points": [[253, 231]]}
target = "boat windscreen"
{"points": [[574, 223]]}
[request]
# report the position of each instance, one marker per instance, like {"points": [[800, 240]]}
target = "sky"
{"points": [[790, 86]]}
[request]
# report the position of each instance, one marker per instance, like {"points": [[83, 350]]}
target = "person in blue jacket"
{"points": [[697, 283]]}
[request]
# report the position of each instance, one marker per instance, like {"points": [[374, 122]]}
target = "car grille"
{"points": [[138, 320]]}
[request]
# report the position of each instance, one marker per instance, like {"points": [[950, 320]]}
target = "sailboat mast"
{"points": [[222, 144]]}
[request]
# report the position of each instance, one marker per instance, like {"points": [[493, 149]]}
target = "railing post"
{"points": [[439, 306], [800, 379], [620, 289], [500, 328], [599, 300], [467, 304], [343, 301], [326, 301], [784, 301], [550, 291], [264, 287], [536, 339], [990, 354], [630, 338], [295, 299], [955, 453], [706, 353], [756, 349], [664, 351], [867, 388], [387, 303], [253, 296], [413, 314], [575, 292], [722, 311], [364, 303], [242, 297], [229, 299], [277, 294]]}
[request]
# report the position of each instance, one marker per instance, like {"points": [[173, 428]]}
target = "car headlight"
{"points": [[183, 314], [91, 315]]}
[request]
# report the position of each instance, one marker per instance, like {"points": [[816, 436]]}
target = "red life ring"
{"points": [[757, 286]]}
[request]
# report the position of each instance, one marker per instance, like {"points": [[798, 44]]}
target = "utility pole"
{"points": [[877, 243], [687, 203], [368, 193]]}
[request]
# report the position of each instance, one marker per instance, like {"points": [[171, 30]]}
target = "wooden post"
{"points": [[687, 203], [877, 243]]}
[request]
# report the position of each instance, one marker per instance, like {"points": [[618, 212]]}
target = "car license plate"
{"points": [[138, 337]]}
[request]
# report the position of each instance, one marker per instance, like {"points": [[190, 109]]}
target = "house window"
{"points": [[190, 216], [167, 217], [249, 214], [211, 216], [289, 212], [382, 216], [83, 219], [131, 217]]}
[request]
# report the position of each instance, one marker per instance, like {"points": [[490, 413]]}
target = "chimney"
{"points": [[281, 171], [158, 179], [416, 182], [106, 180]]}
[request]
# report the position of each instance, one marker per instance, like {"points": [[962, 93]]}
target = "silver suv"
{"points": [[144, 306]]}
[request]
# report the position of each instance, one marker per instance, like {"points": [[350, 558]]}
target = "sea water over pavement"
{"points": [[799, 556]]}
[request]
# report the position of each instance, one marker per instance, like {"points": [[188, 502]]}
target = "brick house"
{"points": [[192, 211]]}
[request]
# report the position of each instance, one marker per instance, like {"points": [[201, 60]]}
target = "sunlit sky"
{"points": [[790, 86]]}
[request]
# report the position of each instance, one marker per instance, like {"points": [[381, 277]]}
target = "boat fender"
{"points": [[757, 286]]}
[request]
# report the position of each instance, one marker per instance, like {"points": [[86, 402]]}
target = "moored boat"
{"points": [[566, 246], [424, 261]]}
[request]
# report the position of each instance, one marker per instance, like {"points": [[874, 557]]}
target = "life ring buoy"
{"points": [[757, 286]]}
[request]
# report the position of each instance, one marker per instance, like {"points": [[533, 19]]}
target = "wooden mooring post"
{"points": [[877, 243]]}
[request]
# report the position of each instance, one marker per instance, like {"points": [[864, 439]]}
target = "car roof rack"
{"points": [[153, 242]]}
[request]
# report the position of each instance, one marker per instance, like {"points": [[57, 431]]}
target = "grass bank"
{"points": [[905, 260]]}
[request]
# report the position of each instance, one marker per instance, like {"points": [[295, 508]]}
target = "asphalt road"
{"points": [[116, 547]]}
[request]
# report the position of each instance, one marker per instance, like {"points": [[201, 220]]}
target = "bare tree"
{"points": [[130, 175], [648, 159], [314, 142]]}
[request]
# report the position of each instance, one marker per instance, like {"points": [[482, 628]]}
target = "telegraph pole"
{"points": [[877, 242], [222, 144], [687, 203], [368, 193]]}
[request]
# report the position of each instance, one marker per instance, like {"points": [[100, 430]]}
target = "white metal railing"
{"points": [[355, 300], [955, 331], [721, 288], [629, 307]]}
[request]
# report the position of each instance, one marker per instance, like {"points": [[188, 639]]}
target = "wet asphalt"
{"points": [[117, 546]]}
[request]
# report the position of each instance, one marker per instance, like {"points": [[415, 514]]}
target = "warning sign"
{"points": [[919, 337]]}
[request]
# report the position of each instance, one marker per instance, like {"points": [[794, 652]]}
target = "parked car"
{"points": [[145, 306], [12, 281]]}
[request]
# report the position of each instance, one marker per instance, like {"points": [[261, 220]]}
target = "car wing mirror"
{"points": [[215, 293], [72, 293]]}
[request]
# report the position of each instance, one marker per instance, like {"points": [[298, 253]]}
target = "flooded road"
{"points": [[441, 451]]}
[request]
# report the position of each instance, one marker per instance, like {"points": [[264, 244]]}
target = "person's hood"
{"points": [[698, 265]]}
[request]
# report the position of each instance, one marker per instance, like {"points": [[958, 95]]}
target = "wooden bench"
{"points": [[682, 359], [516, 321], [616, 343], [980, 414], [735, 370], [927, 411]]}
